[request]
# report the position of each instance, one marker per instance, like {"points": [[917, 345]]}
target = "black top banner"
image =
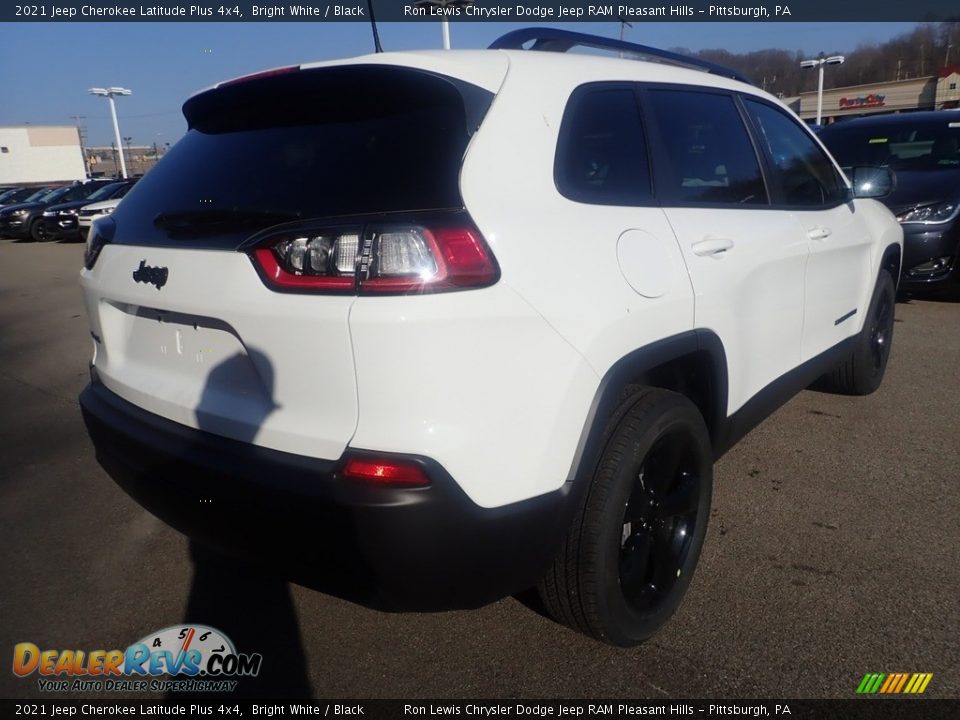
{"points": [[482, 11], [489, 709]]}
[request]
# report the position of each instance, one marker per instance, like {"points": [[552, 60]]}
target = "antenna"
{"points": [[377, 47]]}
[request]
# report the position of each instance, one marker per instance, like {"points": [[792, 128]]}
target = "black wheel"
{"points": [[862, 372], [635, 541], [37, 230]]}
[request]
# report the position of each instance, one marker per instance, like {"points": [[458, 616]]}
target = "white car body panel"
{"points": [[480, 383], [232, 357], [839, 278], [581, 251], [750, 295], [103, 208]]}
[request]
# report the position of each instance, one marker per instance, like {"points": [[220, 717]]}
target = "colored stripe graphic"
{"points": [[894, 683], [903, 680]]}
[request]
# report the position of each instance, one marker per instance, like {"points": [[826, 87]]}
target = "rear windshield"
{"points": [[904, 146], [308, 144]]}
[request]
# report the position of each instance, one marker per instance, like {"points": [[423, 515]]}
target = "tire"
{"points": [[862, 371], [635, 540], [37, 231]]}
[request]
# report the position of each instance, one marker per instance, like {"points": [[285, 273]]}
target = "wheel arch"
{"points": [[891, 261], [692, 363]]}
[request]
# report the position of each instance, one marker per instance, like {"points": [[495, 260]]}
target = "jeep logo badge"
{"points": [[156, 276]]}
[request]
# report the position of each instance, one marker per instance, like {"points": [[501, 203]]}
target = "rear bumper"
{"points": [[403, 549]]}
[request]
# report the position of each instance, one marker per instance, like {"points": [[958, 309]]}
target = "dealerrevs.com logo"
{"points": [[201, 658]]}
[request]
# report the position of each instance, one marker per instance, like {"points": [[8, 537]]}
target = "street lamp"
{"points": [[109, 93], [819, 63]]}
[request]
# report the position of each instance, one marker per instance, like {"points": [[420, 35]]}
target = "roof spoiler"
{"points": [[554, 40]]}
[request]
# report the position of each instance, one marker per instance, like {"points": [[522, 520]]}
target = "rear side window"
{"points": [[708, 153], [601, 154], [804, 172], [308, 144]]}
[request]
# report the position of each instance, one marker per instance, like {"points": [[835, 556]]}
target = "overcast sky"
{"points": [[46, 68]]}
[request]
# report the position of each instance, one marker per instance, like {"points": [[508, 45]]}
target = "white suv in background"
{"points": [[90, 213], [436, 327]]}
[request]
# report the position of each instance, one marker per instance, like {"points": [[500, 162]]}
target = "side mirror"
{"points": [[872, 182]]}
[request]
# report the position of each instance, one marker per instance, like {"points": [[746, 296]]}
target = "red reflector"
{"points": [[464, 255], [386, 472]]}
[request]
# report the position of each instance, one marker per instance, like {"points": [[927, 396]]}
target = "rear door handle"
{"points": [[711, 246], [819, 233]]}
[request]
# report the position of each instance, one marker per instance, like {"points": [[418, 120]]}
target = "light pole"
{"points": [[113, 150], [819, 63], [109, 93]]}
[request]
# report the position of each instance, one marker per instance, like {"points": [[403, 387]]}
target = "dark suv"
{"points": [[923, 149], [60, 222], [11, 196], [25, 220]]}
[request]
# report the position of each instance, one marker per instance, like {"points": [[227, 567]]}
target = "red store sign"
{"points": [[862, 102]]}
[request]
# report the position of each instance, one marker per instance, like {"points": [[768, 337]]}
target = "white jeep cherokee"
{"points": [[447, 325]]}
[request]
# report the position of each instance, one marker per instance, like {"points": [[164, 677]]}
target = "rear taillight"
{"points": [[317, 260], [378, 258]]}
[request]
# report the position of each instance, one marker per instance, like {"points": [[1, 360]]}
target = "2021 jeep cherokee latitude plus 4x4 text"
{"points": [[449, 325]]}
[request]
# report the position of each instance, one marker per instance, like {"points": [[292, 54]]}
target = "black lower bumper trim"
{"points": [[401, 549]]}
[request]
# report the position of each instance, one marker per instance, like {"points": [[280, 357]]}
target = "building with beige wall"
{"points": [[936, 92], [40, 154]]}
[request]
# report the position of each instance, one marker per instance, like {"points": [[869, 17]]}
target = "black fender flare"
{"points": [[630, 369], [892, 260]]}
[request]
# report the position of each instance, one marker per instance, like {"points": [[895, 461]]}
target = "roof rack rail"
{"points": [[554, 40]]}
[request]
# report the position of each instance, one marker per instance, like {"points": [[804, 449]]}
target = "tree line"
{"points": [[920, 52]]}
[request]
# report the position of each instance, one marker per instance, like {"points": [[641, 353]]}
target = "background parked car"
{"points": [[923, 149], [24, 194], [25, 220], [60, 221], [89, 213]]}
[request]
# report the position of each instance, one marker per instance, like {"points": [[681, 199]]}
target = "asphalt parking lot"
{"points": [[833, 548]]}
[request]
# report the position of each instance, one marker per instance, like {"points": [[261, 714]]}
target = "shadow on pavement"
{"points": [[252, 607], [254, 610]]}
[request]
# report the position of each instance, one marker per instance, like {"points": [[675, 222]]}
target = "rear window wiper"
{"points": [[206, 219]]}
